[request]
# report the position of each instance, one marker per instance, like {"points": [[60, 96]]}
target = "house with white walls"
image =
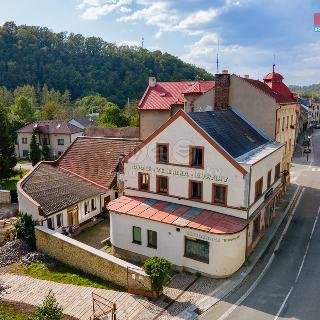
{"points": [[199, 191], [78, 186]]}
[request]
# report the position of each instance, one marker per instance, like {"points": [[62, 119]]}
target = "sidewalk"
{"points": [[185, 297]]}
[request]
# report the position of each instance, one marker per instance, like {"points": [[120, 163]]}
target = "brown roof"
{"points": [[55, 189], [50, 126], [178, 215], [125, 132], [96, 158]]}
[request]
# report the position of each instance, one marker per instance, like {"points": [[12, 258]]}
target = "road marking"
{"points": [[257, 281], [301, 266]]}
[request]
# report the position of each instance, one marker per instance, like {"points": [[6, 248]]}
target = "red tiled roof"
{"points": [[50, 126], [273, 76], [280, 98], [96, 159], [178, 215], [165, 94]]}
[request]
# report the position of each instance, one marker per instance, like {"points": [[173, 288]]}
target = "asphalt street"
{"points": [[286, 283]]}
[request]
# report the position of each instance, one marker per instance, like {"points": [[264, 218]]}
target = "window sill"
{"points": [[222, 204], [136, 242], [197, 259], [152, 247]]}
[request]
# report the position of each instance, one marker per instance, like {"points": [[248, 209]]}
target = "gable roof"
{"points": [[166, 94], [193, 124], [178, 215], [50, 126], [122, 132], [230, 131], [280, 98], [85, 121], [54, 189], [96, 158]]}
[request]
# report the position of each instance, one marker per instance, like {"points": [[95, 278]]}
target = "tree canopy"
{"points": [[32, 55]]}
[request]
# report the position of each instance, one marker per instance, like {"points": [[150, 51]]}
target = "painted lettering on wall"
{"points": [[204, 237], [180, 172]]}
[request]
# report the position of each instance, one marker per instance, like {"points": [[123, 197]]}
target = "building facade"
{"points": [[57, 135], [202, 199]]}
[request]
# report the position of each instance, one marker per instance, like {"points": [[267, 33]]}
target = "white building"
{"points": [[199, 192], [76, 187]]}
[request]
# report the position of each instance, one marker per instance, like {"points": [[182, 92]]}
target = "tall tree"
{"points": [[45, 152], [35, 152], [113, 117], [7, 152], [23, 109]]}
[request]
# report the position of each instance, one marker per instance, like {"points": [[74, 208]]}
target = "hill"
{"points": [[65, 61], [312, 90]]}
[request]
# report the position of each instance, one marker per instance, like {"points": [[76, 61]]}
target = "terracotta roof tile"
{"points": [[178, 215], [165, 94], [96, 158]]}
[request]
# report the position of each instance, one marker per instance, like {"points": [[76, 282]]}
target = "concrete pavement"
{"points": [[286, 283]]}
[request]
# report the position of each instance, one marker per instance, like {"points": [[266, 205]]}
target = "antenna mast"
{"points": [[218, 58], [142, 42]]}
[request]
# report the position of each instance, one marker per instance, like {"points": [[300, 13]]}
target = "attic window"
{"points": [[58, 126], [35, 125], [250, 139], [162, 94]]}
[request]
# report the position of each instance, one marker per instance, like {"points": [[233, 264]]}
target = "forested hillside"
{"points": [[312, 91], [36, 56]]}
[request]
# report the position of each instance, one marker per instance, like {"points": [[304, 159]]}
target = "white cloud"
{"points": [[125, 9], [197, 18]]}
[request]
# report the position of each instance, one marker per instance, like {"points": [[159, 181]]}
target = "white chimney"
{"points": [[152, 81], [247, 76], [225, 71]]}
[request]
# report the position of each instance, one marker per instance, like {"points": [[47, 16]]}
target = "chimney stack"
{"points": [[221, 90], [246, 76], [152, 81]]}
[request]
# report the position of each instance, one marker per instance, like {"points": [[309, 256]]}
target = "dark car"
{"points": [[317, 126]]}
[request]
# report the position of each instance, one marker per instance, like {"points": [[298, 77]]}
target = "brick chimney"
{"points": [[222, 87], [152, 81]]}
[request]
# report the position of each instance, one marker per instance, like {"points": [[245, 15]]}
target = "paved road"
{"points": [[286, 284]]}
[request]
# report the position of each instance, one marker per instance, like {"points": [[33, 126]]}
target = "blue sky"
{"points": [[250, 32]]}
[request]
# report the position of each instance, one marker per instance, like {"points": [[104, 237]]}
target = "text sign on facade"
{"points": [[181, 173]]}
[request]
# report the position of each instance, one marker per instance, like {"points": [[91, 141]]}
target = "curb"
{"points": [[232, 284]]}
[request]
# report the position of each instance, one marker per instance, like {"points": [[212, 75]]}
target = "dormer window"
{"points": [[197, 157], [162, 153]]}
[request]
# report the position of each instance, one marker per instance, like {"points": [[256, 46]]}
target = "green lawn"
{"points": [[10, 312], [11, 184], [53, 270]]}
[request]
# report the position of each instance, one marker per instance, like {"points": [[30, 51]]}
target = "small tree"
{"points": [[157, 268], [45, 152], [49, 310], [24, 227], [35, 152]]}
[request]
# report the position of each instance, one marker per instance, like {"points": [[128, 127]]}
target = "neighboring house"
{"points": [[123, 132], [76, 187], [84, 122], [56, 134], [199, 191], [163, 99], [305, 119], [270, 105], [315, 112]]}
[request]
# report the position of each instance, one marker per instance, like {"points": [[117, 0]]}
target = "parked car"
{"points": [[317, 126]]}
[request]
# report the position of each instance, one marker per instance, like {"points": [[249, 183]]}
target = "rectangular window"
{"points": [[86, 211], [269, 179], [278, 126], [163, 153], [93, 204], [287, 122], [152, 239], [195, 190], [143, 181], [50, 224], [24, 140], [196, 157], [25, 153], [162, 184], [219, 194], [277, 172], [61, 142], [283, 122], [259, 186], [196, 249], [59, 220], [292, 119], [289, 144], [136, 235]]}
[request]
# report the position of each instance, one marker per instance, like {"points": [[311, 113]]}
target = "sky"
{"points": [[252, 34]]}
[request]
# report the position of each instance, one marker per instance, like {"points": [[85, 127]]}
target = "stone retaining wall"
{"points": [[5, 196], [93, 261]]}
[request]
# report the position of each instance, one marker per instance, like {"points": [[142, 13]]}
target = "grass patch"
{"points": [[11, 184], [53, 270], [10, 312]]}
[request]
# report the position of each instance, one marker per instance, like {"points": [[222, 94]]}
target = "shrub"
{"points": [[49, 310], [158, 269], [24, 227]]}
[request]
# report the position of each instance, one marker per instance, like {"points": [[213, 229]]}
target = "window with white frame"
{"points": [[24, 140], [59, 220], [196, 249]]}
